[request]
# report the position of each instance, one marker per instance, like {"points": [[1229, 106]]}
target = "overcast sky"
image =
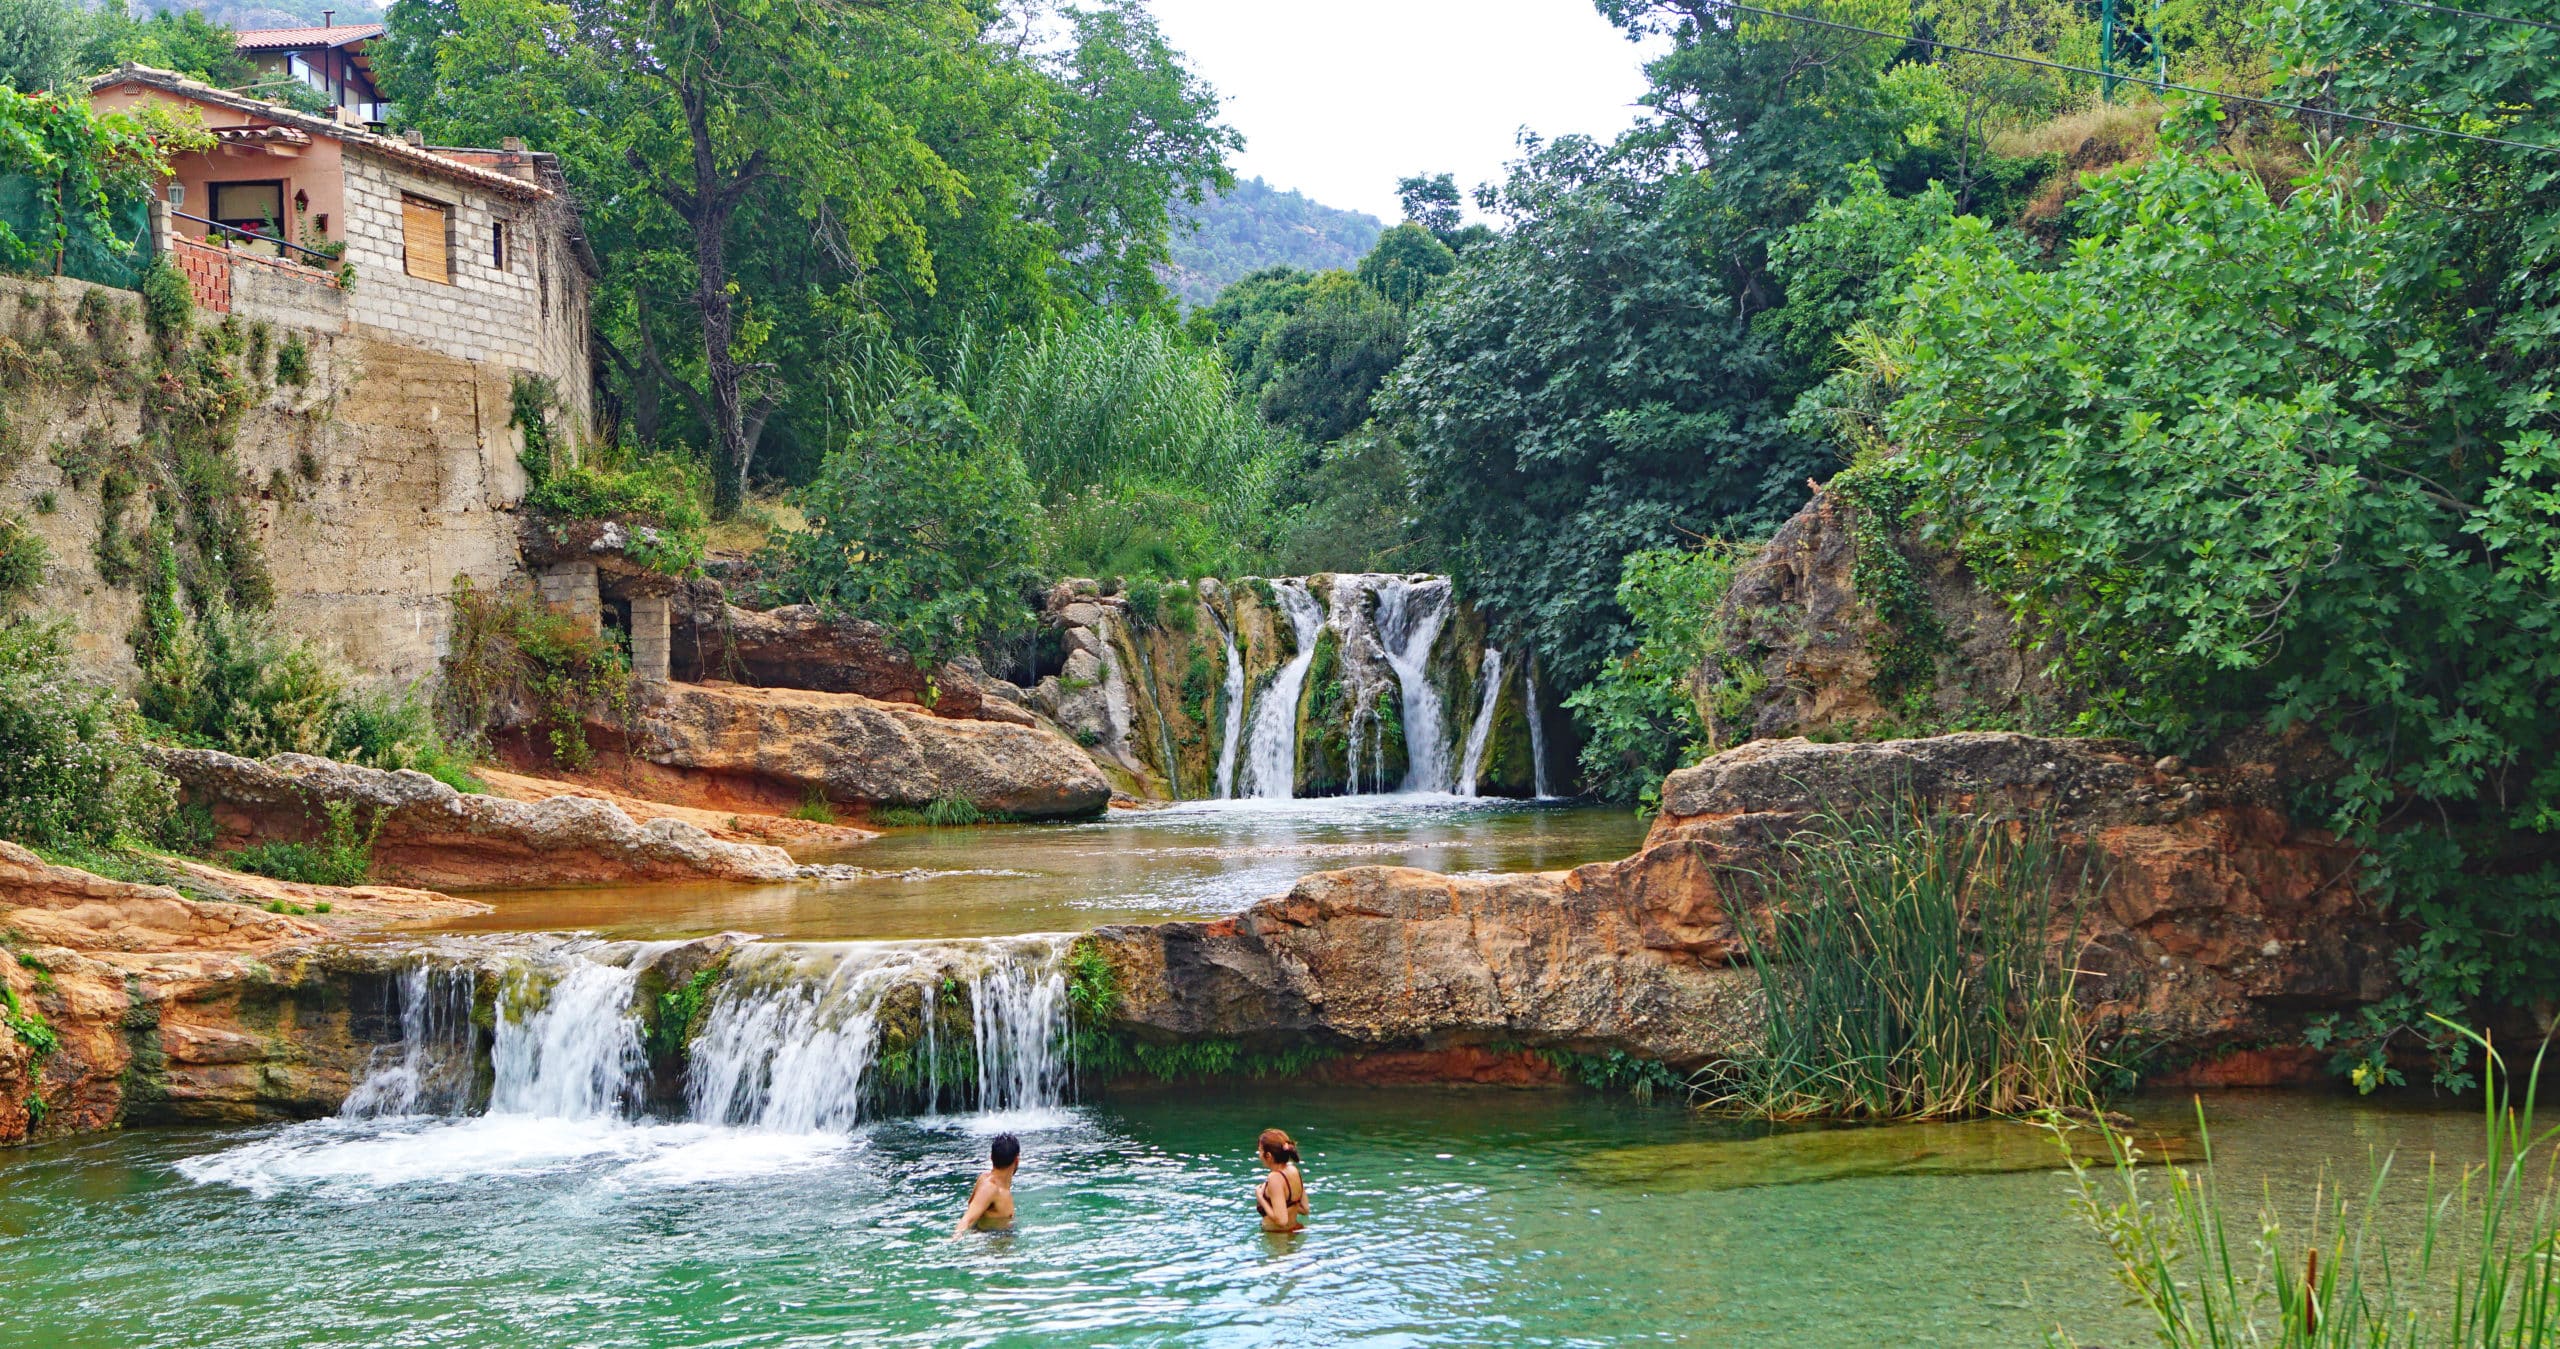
{"points": [[1339, 98]]}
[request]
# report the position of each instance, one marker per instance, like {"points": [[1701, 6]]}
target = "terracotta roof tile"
{"points": [[279, 39]]}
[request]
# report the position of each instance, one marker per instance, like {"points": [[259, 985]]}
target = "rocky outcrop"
{"points": [[1398, 959], [2213, 922], [1794, 619], [798, 646], [729, 825], [861, 752], [140, 1003], [428, 834]]}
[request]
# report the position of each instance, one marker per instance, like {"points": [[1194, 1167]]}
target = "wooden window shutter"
{"points": [[423, 240]]}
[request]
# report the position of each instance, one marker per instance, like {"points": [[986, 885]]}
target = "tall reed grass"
{"points": [[2481, 1274], [1914, 967]]}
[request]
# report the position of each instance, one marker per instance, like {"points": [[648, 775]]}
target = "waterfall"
{"points": [[1274, 747], [1225, 786], [430, 1070], [799, 1038], [1537, 735], [571, 1049], [1409, 618], [1490, 676]]}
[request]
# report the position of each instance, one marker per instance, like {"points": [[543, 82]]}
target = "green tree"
{"points": [[921, 524], [183, 40], [1586, 387], [1405, 264], [1137, 132], [39, 45]]}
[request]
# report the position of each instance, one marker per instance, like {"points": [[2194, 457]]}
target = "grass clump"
{"points": [[1911, 972], [2480, 1274], [815, 808], [341, 856], [947, 811]]}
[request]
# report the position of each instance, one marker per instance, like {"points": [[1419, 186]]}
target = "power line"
{"points": [[2162, 85], [2476, 14]]}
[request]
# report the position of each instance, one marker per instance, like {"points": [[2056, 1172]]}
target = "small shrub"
{"points": [[22, 558], [231, 681], [168, 304], [293, 361], [74, 771], [393, 731], [28, 1024], [509, 648], [815, 808], [342, 856]]}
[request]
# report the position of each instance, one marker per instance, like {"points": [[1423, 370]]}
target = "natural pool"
{"points": [[1444, 1217], [1200, 859]]}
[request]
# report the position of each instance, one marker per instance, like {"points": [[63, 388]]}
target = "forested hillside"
{"points": [[1255, 225]]}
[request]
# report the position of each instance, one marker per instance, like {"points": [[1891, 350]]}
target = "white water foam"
{"points": [[1410, 615], [1274, 747], [1489, 674], [1232, 742], [1537, 735]]}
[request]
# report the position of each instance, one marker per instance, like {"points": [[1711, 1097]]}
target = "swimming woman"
{"points": [[1281, 1198]]}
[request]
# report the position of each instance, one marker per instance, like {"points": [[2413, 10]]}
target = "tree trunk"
{"points": [[712, 202]]}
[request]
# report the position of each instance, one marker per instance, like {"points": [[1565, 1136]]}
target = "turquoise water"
{"points": [[1443, 1217]]}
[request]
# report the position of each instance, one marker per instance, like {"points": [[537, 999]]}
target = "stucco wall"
{"points": [[391, 473]]}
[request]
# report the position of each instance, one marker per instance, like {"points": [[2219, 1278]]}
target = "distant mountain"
{"points": [[1257, 226], [247, 14]]}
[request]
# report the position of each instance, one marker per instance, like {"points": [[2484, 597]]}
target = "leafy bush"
{"points": [[342, 856], [75, 772], [1654, 708], [660, 498], [383, 729], [22, 558], [1147, 531], [508, 648], [920, 524], [2243, 465], [231, 681]]}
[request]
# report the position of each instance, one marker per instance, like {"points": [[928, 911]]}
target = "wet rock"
{"points": [[167, 1006], [431, 835], [1396, 958], [862, 752]]}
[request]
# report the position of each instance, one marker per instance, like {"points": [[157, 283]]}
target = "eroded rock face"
{"points": [[863, 752], [432, 835], [1795, 616], [2216, 924], [798, 646], [1396, 958], [173, 1008]]}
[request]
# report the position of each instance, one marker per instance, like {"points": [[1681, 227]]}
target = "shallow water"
{"points": [[1441, 1218], [1201, 859]]}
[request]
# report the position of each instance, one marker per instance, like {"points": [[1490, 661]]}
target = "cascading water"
{"points": [[1228, 745], [1409, 617], [1490, 676], [1273, 750], [430, 1069], [1537, 734], [568, 1047], [797, 1039]]}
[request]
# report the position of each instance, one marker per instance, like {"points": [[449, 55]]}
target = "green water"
{"points": [[1202, 859], [1441, 1218]]}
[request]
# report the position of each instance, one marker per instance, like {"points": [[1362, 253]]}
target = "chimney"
{"points": [[513, 145], [328, 18], [415, 137]]}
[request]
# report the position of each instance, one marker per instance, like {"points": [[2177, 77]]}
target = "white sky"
{"points": [[1340, 98]]}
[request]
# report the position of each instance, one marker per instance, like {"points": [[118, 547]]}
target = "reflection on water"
{"points": [[1440, 1218], [1200, 859]]}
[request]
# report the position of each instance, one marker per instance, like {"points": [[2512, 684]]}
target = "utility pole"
{"points": [[2107, 52]]}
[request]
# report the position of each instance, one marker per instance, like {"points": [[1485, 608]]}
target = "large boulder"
{"points": [[428, 834], [1396, 958], [861, 751], [163, 1005], [800, 646], [2214, 923]]}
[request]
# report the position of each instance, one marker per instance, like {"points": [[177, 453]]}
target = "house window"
{"points": [[253, 207], [498, 245], [426, 239]]}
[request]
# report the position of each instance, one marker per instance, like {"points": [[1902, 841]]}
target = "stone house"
{"points": [[319, 221]]}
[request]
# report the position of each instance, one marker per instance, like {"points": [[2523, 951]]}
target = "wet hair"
{"points": [[1004, 1151], [1279, 1146]]}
